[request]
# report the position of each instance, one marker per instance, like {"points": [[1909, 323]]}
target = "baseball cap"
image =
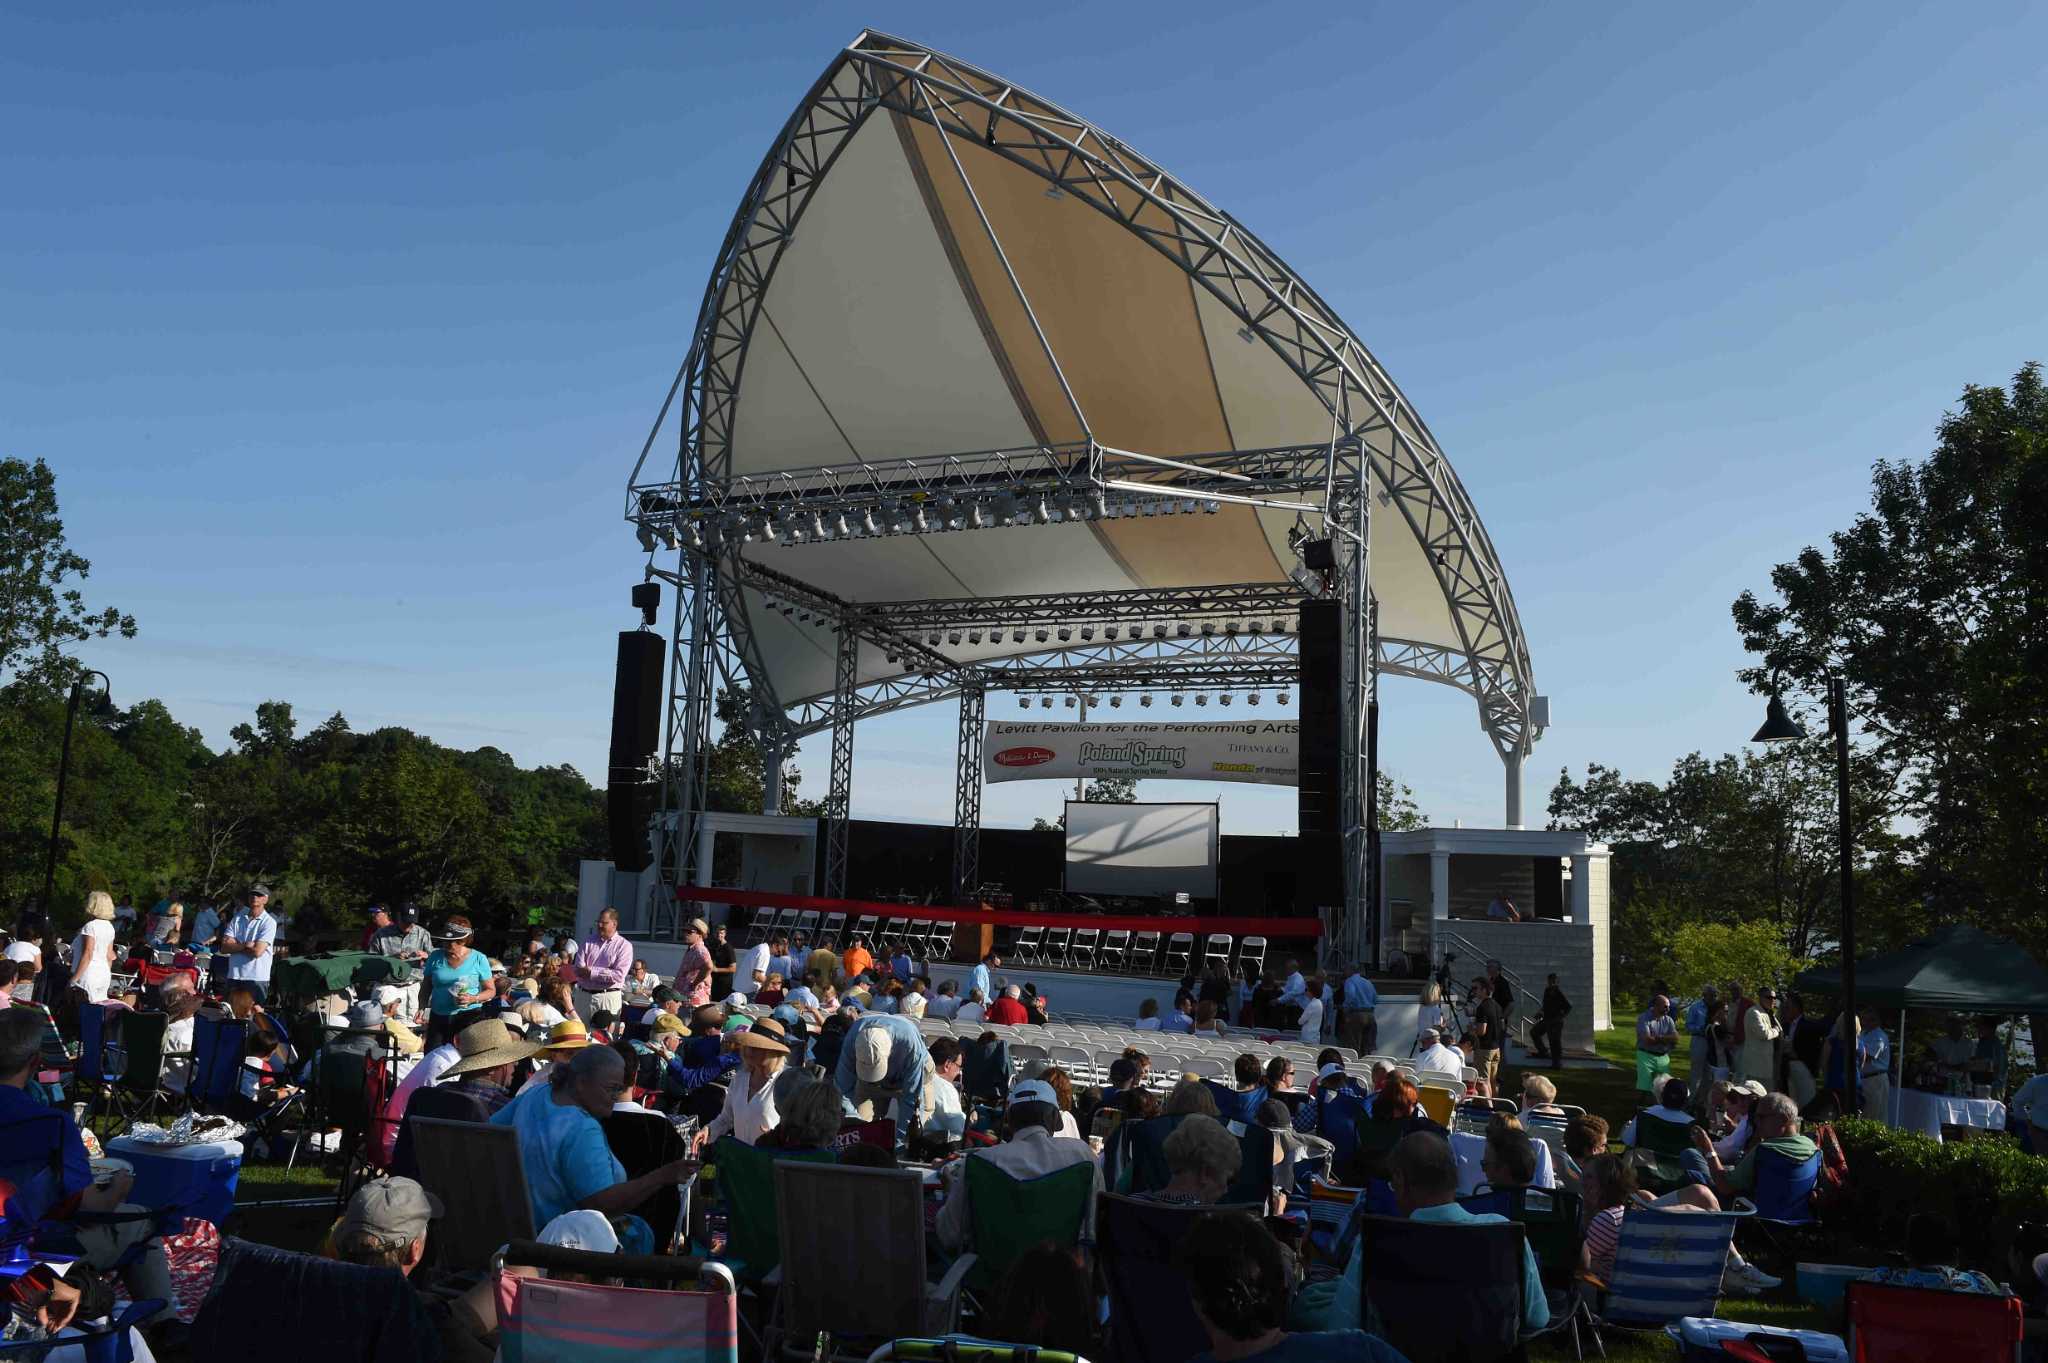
{"points": [[389, 997], [871, 1047], [584, 1230], [1750, 1087], [263, 890], [390, 1210], [1030, 1091], [663, 994], [665, 1023], [1428, 1034]]}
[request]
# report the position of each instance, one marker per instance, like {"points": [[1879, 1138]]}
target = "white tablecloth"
{"points": [[1929, 1112], [1470, 1149]]}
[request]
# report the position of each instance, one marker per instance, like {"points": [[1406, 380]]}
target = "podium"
{"points": [[971, 942]]}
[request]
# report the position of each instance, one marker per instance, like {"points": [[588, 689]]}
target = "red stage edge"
{"points": [[860, 908]]}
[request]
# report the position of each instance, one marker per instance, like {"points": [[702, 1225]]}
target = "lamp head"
{"points": [[1779, 727]]}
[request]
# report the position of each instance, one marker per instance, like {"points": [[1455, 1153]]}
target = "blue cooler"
{"points": [[200, 1178], [1700, 1339]]}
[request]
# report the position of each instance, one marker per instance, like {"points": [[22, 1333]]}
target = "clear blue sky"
{"points": [[342, 326]]}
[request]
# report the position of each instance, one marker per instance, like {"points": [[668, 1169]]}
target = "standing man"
{"points": [[1696, 1034], [406, 940], [978, 978], [1760, 1033], [1488, 1029], [247, 943], [884, 1058], [1874, 1063], [205, 927], [721, 962], [380, 919], [752, 971], [601, 966], [1656, 1038], [1502, 909], [694, 971], [1359, 1029], [1550, 1023], [1502, 993]]}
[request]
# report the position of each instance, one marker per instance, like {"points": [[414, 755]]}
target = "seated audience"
{"points": [[1009, 1010], [1046, 1300], [1190, 1095], [1063, 1092], [945, 1004], [1539, 1094], [1777, 1130], [811, 1113], [749, 1111], [385, 1226], [475, 1087], [1206, 1021], [1030, 1149], [72, 1188], [975, 1009], [1437, 1058], [1202, 1159], [181, 1005], [562, 1144], [1509, 1160], [1148, 1017], [1240, 1281], [1182, 1019], [1610, 1189]]}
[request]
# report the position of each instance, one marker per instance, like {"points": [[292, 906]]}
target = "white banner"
{"points": [[1264, 752]]}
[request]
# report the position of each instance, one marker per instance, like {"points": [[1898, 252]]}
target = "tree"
{"points": [[40, 610], [738, 764], [1933, 608], [1103, 790], [1398, 811], [1751, 954]]}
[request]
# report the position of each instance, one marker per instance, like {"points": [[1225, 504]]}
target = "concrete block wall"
{"points": [[1530, 951]]}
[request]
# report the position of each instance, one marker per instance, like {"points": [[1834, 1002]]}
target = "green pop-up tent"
{"points": [[1958, 968]]}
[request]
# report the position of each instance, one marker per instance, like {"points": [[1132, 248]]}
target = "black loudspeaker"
{"points": [[1321, 787], [636, 734]]}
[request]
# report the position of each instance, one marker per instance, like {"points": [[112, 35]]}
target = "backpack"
{"points": [[1831, 1191]]}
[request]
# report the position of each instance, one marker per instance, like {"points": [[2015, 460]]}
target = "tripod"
{"points": [[1449, 1005]]}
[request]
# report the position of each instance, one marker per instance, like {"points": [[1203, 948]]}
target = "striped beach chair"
{"points": [[1666, 1266]]}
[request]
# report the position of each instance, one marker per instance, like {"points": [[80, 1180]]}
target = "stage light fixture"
{"points": [[1208, 629], [1071, 702], [1257, 627], [1109, 632], [977, 516], [1230, 627], [891, 656], [1004, 508], [1223, 699], [693, 534], [870, 524], [1152, 507], [1098, 505], [1177, 698], [1041, 511], [1045, 702], [919, 521], [840, 528], [1043, 634], [1066, 633], [1201, 700], [819, 530], [1016, 636], [1183, 630], [1116, 702], [769, 603], [1159, 631], [1024, 702], [1087, 634], [1210, 506], [932, 638], [973, 636], [1280, 698], [1146, 700], [1279, 627], [1252, 699], [953, 636]]}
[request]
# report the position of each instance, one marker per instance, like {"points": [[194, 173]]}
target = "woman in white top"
{"points": [[750, 1098], [1312, 1014], [974, 1010], [92, 951]]}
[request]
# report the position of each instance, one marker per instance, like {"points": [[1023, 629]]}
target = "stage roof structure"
{"points": [[982, 398]]}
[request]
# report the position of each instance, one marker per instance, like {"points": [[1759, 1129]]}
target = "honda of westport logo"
{"points": [[1023, 757]]}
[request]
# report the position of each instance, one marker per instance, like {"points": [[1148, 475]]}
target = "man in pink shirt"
{"points": [[693, 973], [601, 966]]}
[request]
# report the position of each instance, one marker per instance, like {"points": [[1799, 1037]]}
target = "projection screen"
{"points": [[1143, 849]]}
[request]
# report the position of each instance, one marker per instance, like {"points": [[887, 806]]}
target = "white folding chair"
{"points": [[1076, 1061], [1027, 944], [1218, 952], [1207, 1066], [1116, 944], [1145, 952], [1179, 948], [1252, 951], [1082, 953], [831, 931], [1055, 949]]}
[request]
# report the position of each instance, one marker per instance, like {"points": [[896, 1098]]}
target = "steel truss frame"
{"points": [[1379, 447], [967, 788]]}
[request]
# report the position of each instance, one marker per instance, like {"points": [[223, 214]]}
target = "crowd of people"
{"points": [[803, 1050]]}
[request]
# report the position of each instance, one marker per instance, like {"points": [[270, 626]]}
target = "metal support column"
{"points": [[688, 752], [1512, 760], [840, 797], [774, 745], [967, 792]]}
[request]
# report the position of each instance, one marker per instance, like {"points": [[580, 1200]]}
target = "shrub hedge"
{"points": [[1983, 1186]]}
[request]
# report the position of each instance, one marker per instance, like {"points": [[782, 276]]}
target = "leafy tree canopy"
{"points": [[41, 609]]}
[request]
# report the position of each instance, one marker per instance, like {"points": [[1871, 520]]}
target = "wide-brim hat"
{"points": [[485, 1046], [697, 926], [764, 1035]]}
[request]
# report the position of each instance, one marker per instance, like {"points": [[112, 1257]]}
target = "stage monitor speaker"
{"points": [[1319, 793], [628, 809], [636, 703]]}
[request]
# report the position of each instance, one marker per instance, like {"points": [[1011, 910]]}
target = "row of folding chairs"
{"points": [[921, 937], [1119, 949]]}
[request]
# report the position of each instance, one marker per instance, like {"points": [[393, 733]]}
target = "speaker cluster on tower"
{"points": [[1320, 878], [631, 790]]}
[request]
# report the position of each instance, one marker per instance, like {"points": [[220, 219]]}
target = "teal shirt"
{"points": [[473, 974], [1336, 1306]]}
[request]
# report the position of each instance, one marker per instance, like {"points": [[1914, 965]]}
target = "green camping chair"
{"points": [[1657, 1151], [1011, 1215], [746, 1181]]}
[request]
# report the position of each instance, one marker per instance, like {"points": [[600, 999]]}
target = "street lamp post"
{"points": [[1780, 727], [57, 814]]}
